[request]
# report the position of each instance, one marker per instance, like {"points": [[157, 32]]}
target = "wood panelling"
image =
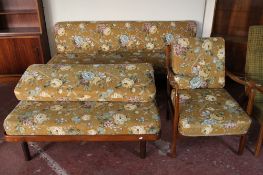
{"points": [[233, 17], [7, 53], [232, 20]]}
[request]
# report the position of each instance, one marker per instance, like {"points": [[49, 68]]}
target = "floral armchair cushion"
{"points": [[94, 37], [97, 82], [82, 118], [210, 112], [155, 58], [199, 62]]}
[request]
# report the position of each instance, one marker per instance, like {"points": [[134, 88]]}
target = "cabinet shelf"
{"points": [[17, 12], [20, 31], [23, 37]]}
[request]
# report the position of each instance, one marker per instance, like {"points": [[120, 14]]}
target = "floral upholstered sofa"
{"points": [[92, 102], [118, 42]]}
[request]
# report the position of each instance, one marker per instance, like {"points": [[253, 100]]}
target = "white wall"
{"points": [[110, 10]]}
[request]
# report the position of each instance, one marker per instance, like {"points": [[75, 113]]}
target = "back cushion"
{"points": [[93, 37], [199, 61], [254, 60]]}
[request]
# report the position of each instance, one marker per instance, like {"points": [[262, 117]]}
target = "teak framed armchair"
{"points": [[199, 104]]}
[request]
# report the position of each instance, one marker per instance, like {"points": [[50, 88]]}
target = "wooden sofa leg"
{"points": [[142, 149], [259, 141], [26, 151], [242, 144]]}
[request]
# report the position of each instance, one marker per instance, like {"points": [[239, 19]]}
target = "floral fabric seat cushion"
{"points": [[97, 82], [210, 112], [155, 58], [82, 118], [199, 62]]}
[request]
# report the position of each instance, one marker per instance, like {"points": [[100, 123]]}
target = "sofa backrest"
{"points": [[199, 62], [93, 37]]}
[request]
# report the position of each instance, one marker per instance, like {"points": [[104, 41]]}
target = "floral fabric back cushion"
{"points": [[91, 37], [97, 82], [200, 62]]}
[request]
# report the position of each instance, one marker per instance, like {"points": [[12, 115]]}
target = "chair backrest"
{"points": [[110, 36], [198, 62], [254, 59]]}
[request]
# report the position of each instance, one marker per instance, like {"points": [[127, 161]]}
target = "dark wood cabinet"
{"points": [[23, 37], [17, 53], [232, 20]]}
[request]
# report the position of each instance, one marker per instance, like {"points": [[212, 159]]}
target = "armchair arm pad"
{"points": [[238, 79], [241, 80]]}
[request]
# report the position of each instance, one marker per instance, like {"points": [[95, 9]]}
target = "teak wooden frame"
{"points": [[172, 110], [251, 89], [24, 139]]}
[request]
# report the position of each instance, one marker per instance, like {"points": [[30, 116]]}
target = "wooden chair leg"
{"points": [[174, 136], [26, 151], [242, 144], [175, 121], [259, 141], [142, 149], [173, 145]]}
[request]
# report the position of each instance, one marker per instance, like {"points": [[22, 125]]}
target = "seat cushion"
{"points": [[155, 58], [82, 118], [199, 59], [210, 112], [97, 82]]}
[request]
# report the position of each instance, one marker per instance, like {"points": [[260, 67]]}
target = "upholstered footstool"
{"points": [[102, 102]]}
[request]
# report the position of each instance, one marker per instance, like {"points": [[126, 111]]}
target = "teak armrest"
{"points": [[238, 79], [250, 84]]}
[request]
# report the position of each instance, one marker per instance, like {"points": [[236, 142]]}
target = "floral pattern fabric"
{"points": [[92, 37], [82, 118], [97, 82], [199, 62], [210, 112], [156, 58]]}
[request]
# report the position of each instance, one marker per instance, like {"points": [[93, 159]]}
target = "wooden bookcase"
{"points": [[23, 37]]}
